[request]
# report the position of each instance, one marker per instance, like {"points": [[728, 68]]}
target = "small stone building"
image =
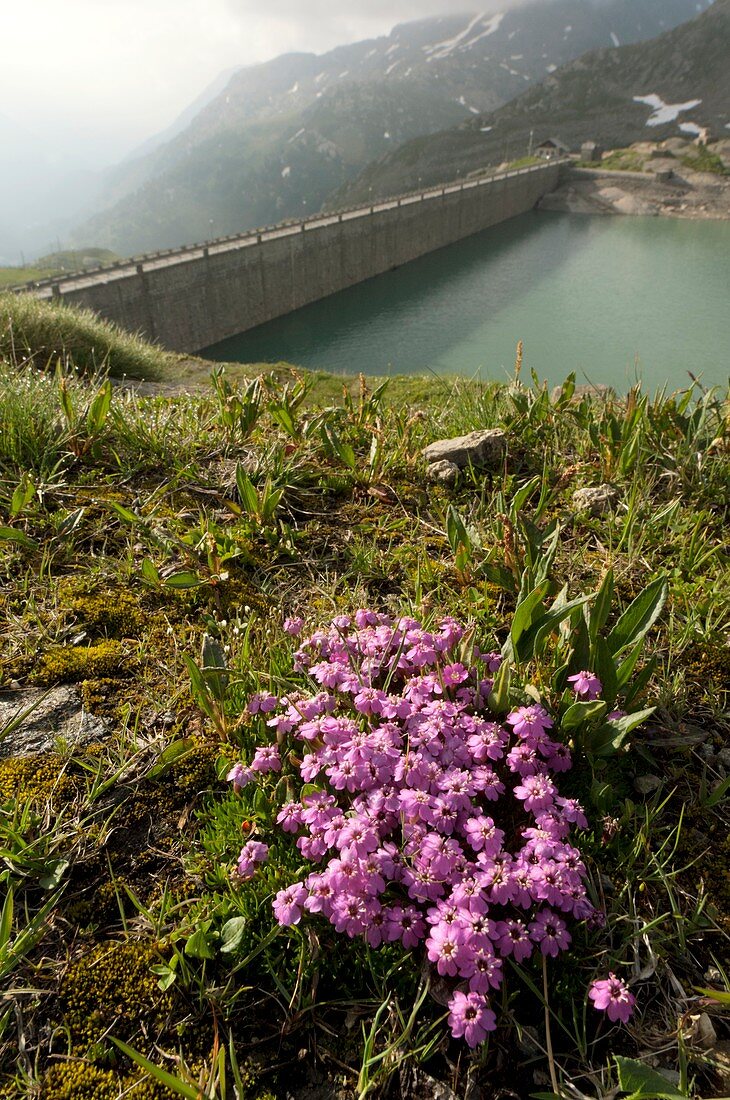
{"points": [[591, 152], [551, 149]]}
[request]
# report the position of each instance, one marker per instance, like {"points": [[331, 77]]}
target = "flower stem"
{"points": [[548, 1036]]}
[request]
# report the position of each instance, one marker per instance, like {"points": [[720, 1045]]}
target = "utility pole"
{"points": [[529, 148]]}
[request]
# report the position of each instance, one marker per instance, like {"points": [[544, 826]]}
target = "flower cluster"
{"points": [[430, 823]]}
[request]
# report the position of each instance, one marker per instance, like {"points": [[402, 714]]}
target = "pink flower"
{"points": [[586, 685], [611, 995], [293, 626], [288, 904], [266, 759], [470, 1016], [253, 852], [240, 776]]}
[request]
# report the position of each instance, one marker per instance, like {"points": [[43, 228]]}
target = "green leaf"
{"points": [[581, 712], [149, 572], [99, 408], [9, 534], [627, 666], [125, 514], [24, 493], [716, 995], [498, 700], [232, 934], [6, 919], [601, 606], [170, 755], [158, 1074], [522, 495], [605, 669], [199, 945], [525, 610], [247, 491], [58, 869], [532, 640], [644, 1083], [184, 579], [609, 737], [639, 616]]}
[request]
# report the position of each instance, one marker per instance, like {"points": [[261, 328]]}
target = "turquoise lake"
{"points": [[614, 299]]}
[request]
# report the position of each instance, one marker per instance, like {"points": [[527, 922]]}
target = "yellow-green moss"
{"points": [[35, 778], [72, 663], [81, 1080], [113, 612], [112, 987]]}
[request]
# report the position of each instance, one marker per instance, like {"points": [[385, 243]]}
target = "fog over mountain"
{"points": [[160, 90], [284, 135]]}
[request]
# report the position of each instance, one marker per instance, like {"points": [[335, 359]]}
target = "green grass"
{"points": [[16, 276], [126, 539], [706, 161], [621, 160]]}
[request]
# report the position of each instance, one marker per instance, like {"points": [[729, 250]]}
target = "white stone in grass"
{"points": [[443, 473], [483, 449], [596, 499]]}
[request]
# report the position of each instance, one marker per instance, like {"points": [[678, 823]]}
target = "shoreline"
{"points": [[691, 195]]}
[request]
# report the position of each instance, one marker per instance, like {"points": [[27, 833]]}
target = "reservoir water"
{"points": [[614, 299]]}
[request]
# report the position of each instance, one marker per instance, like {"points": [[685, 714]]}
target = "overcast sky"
{"points": [[103, 75]]}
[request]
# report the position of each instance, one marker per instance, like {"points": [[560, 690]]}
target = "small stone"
{"points": [[483, 448], [443, 473], [597, 499], [645, 784], [50, 716]]}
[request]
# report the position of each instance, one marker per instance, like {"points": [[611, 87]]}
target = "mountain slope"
{"points": [[284, 135], [675, 84]]}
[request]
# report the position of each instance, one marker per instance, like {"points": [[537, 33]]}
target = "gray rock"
{"points": [[443, 473], [483, 448], [597, 499], [56, 715]]}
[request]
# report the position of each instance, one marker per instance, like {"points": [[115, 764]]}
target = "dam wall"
{"points": [[186, 299]]}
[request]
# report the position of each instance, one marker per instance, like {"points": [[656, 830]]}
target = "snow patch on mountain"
{"points": [[664, 112]]}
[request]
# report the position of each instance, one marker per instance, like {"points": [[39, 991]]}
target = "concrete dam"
{"points": [[185, 299]]}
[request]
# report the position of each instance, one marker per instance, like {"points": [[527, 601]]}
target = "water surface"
{"points": [[611, 298]]}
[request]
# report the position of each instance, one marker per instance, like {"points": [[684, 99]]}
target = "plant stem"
{"points": [[548, 1036]]}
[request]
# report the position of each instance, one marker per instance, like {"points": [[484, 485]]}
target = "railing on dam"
{"points": [[154, 261]]}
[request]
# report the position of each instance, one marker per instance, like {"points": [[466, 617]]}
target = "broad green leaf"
{"points": [[609, 737], [184, 579], [525, 611], [498, 700], [716, 995], [99, 408], [627, 666], [149, 572], [170, 755], [199, 945], [636, 688], [644, 1083], [6, 919], [52, 879], [24, 493], [605, 669], [232, 934], [639, 616], [581, 712], [601, 606], [125, 514], [10, 534], [157, 1073], [247, 491], [530, 643], [522, 495]]}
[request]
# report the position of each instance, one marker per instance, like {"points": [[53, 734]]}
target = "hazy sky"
{"points": [[103, 75]]}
